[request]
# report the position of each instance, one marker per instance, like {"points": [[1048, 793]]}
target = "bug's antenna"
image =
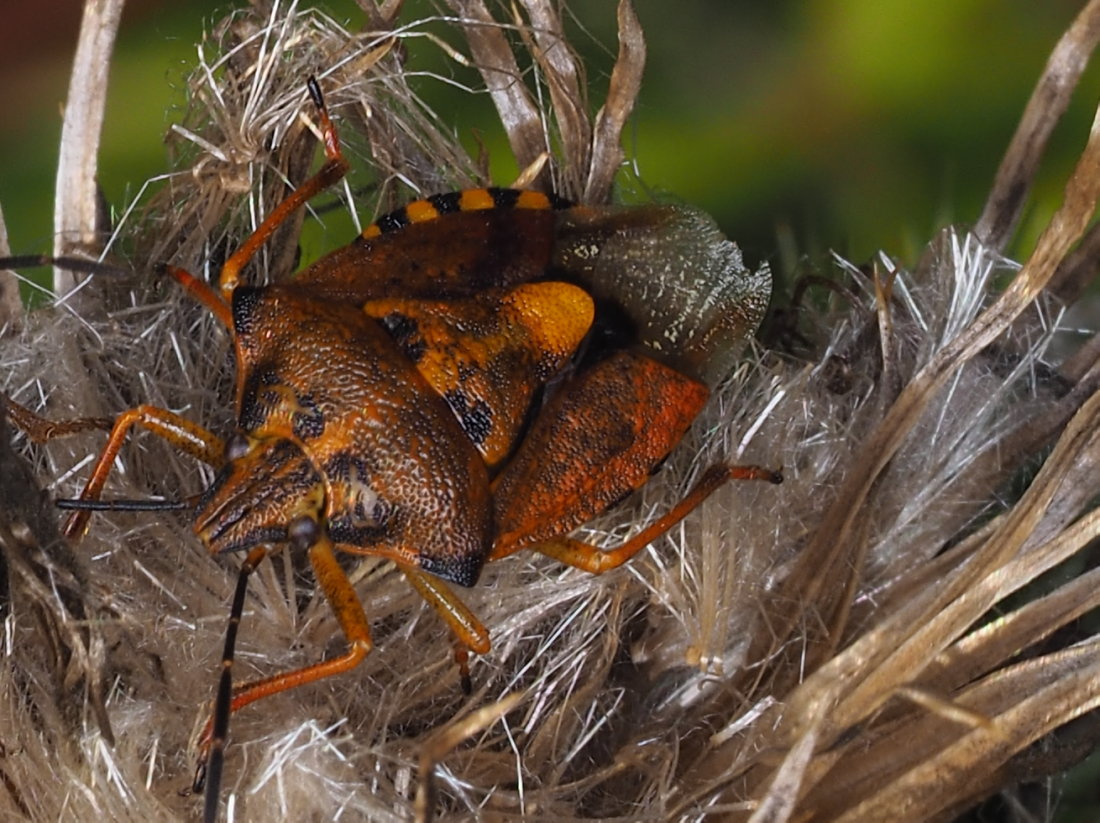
{"points": [[76, 504], [208, 774], [75, 264]]}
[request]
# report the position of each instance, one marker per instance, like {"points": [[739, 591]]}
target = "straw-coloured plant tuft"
{"points": [[877, 639]]}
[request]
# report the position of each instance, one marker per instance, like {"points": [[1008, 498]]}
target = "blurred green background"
{"points": [[851, 125]]}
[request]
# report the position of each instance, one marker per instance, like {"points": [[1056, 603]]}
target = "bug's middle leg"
{"points": [[470, 633]]}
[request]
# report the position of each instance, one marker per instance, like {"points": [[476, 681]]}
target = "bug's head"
{"points": [[265, 486]]}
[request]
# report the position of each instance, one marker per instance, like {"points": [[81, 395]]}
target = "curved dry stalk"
{"points": [[493, 56], [76, 201], [1044, 110], [812, 651], [626, 83], [11, 306]]}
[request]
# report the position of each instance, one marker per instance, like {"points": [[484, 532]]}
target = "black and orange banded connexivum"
{"points": [[477, 373]]}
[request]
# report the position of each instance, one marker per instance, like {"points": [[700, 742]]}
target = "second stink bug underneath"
{"points": [[478, 373]]}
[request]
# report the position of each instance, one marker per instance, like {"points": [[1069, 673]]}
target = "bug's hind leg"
{"points": [[595, 560], [597, 440]]}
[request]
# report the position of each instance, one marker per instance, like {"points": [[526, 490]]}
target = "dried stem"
{"points": [[1045, 108], [816, 651], [76, 201]]}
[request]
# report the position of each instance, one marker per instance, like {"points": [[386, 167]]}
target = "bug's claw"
{"points": [[202, 761], [200, 776], [462, 659]]}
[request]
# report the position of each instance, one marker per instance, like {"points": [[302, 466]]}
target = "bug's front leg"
{"points": [[334, 169], [41, 430], [180, 432]]}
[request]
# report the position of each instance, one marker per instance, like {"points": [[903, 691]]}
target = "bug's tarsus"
{"points": [[462, 660], [41, 430], [773, 476], [315, 92]]}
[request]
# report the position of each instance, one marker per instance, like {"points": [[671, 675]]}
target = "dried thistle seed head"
{"points": [[820, 651]]}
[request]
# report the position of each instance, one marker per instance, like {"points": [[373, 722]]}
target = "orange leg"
{"points": [[181, 433], [349, 612], [41, 430], [202, 292], [597, 561], [335, 167], [463, 622], [470, 633]]}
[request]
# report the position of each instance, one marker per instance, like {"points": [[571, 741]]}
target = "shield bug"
{"points": [[478, 373]]}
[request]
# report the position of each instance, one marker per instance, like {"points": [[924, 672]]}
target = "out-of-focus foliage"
{"points": [[851, 124], [846, 124]]}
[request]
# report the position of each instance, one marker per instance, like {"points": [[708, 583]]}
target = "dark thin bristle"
{"points": [[77, 264], [315, 92], [69, 504]]}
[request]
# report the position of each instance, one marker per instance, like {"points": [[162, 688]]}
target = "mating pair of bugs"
{"points": [[442, 393]]}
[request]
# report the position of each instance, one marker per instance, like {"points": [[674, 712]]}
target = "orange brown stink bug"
{"points": [[437, 393]]}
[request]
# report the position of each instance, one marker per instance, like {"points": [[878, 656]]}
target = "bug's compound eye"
{"points": [[236, 447], [303, 532]]}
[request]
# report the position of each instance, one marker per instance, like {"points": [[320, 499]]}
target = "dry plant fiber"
{"points": [[877, 639]]}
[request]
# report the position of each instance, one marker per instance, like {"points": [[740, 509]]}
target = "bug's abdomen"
{"points": [[457, 244]]}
